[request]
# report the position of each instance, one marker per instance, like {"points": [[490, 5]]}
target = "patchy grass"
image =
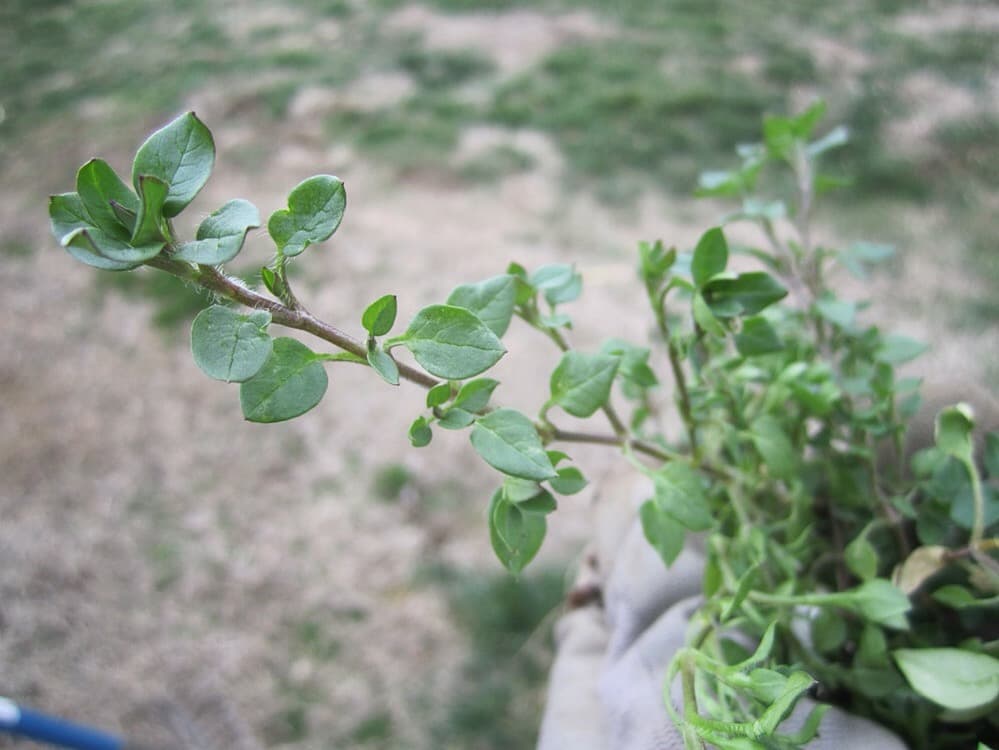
{"points": [[433, 69], [616, 106], [502, 160], [421, 132], [374, 730], [498, 704], [389, 481]]}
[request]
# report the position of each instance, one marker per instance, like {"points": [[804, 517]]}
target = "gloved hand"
{"points": [[630, 616]]}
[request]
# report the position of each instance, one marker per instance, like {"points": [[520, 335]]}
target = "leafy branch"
{"points": [[785, 410]]}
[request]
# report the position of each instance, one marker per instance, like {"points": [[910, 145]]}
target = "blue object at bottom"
{"points": [[37, 726]]}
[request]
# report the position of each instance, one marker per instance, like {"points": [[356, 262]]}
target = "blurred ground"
{"points": [[334, 584]]}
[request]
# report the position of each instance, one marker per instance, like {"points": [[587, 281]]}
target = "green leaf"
{"points": [[860, 254], [838, 136], [655, 261], [509, 442], [221, 236], [149, 219], [958, 597], [757, 337], [382, 363], [518, 490], [182, 155], [797, 684], [746, 294], [705, 318], [950, 677], [491, 300], [292, 381], [570, 480], [634, 368], [67, 214], [450, 342], [679, 492], [774, 446], [896, 350], [872, 650], [861, 558], [879, 601], [581, 383], [379, 317], [662, 531], [315, 210], [474, 395], [710, 256], [828, 631], [558, 282], [839, 312], [746, 582], [272, 281], [419, 432], [953, 432], [97, 249], [456, 419], [98, 185], [125, 216], [228, 345], [438, 395], [516, 536], [781, 133], [542, 503]]}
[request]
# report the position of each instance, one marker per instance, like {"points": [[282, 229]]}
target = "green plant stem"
{"points": [[978, 524], [686, 411], [215, 281]]}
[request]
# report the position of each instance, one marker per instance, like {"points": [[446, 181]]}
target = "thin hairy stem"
{"points": [[215, 281]]}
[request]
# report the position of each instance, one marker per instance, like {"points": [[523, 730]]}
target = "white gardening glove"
{"points": [[613, 648]]}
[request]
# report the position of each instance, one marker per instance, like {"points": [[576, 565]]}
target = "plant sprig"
{"points": [[786, 404]]}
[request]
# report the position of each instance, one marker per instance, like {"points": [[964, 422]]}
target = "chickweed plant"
{"points": [[866, 577]]}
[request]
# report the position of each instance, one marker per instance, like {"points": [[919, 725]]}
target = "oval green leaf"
{"points": [[97, 249], [382, 363], [757, 337], [746, 294], [516, 536], [509, 442], [710, 256], [491, 300], [774, 446], [228, 345], [149, 219], [581, 382], [679, 493], [181, 154], [420, 434], [98, 185], [221, 236], [569, 481], [450, 342], [67, 214], [379, 317], [474, 395], [315, 210], [662, 531], [950, 677], [292, 381]]}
